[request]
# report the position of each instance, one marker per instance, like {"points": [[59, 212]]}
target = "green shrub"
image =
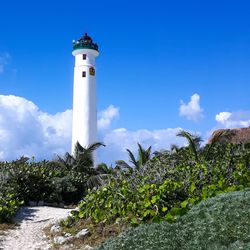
{"points": [[166, 187], [8, 207], [63, 180], [37, 181], [41, 181], [120, 201], [222, 222]]}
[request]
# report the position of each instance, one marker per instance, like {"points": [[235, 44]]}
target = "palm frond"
{"points": [[132, 158], [141, 155], [122, 164], [92, 147], [22, 159], [193, 142], [102, 168], [148, 153], [174, 148], [78, 150], [69, 159], [94, 181]]}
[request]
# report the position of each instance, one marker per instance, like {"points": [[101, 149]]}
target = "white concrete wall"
{"points": [[84, 127]]}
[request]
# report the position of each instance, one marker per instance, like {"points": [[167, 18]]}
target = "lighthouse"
{"points": [[84, 126]]}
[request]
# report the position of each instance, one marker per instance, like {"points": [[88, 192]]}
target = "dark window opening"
{"points": [[92, 71], [84, 74], [84, 57]]}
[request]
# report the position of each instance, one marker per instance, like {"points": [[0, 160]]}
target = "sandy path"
{"points": [[29, 234]]}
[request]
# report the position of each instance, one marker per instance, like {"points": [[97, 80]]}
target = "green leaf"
{"points": [[155, 199], [134, 221], [192, 188], [164, 209], [184, 204]]}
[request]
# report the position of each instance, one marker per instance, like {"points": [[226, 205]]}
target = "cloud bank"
{"points": [[27, 130], [192, 109]]}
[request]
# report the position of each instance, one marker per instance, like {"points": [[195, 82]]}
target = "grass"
{"points": [[99, 232]]}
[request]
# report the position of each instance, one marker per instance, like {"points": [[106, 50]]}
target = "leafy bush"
{"points": [[166, 187], [222, 222], [118, 201], [40, 181], [63, 180], [21, 182], [8, 207]]}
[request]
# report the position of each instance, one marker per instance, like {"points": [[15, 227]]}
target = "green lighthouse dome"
{"points": [[85, 42]]}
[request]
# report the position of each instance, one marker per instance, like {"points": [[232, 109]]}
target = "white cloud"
{"points": [[26, 130], [106, 116], [4, 58], [118, 140], [233, 119], [222, 117], [191, 110]]}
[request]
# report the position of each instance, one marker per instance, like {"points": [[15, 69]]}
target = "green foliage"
{"points": [[222, 222], [119, 200], [41, 181], [167, 186], [64, 180], [193, 141], [144, 155], [8, 207]]}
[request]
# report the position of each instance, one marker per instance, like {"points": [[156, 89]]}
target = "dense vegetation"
{"points": [[221, 222], [160, 187], [168, 185], [65, 180]]}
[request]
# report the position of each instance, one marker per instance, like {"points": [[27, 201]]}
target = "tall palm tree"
{"points": [[143, 156]]}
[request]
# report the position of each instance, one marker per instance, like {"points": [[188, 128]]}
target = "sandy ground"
{"points": [[29, 232]]}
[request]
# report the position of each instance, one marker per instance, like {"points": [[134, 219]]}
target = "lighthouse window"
{"points": [[92, 71], [84, 74], [84, 57]]}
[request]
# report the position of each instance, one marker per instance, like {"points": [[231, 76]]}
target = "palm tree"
{"points": [[103, 168], [143, 156], [67, 161], [193, 143], [82, 161]]}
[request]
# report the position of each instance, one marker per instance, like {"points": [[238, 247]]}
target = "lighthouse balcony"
{"points": [[84, 45]]}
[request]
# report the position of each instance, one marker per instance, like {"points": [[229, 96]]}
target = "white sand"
{"points": [[29, 234]]}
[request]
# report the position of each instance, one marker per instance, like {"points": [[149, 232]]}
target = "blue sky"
{"points": [[152, 56]]}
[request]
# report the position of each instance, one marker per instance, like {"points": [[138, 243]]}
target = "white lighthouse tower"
{"points": [[84, 125]]}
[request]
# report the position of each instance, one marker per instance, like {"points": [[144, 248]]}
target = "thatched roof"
{"points": [[235, 136]]}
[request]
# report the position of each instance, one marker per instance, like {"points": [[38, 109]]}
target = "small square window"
{"points": [[84, 74], [84, 57]]}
